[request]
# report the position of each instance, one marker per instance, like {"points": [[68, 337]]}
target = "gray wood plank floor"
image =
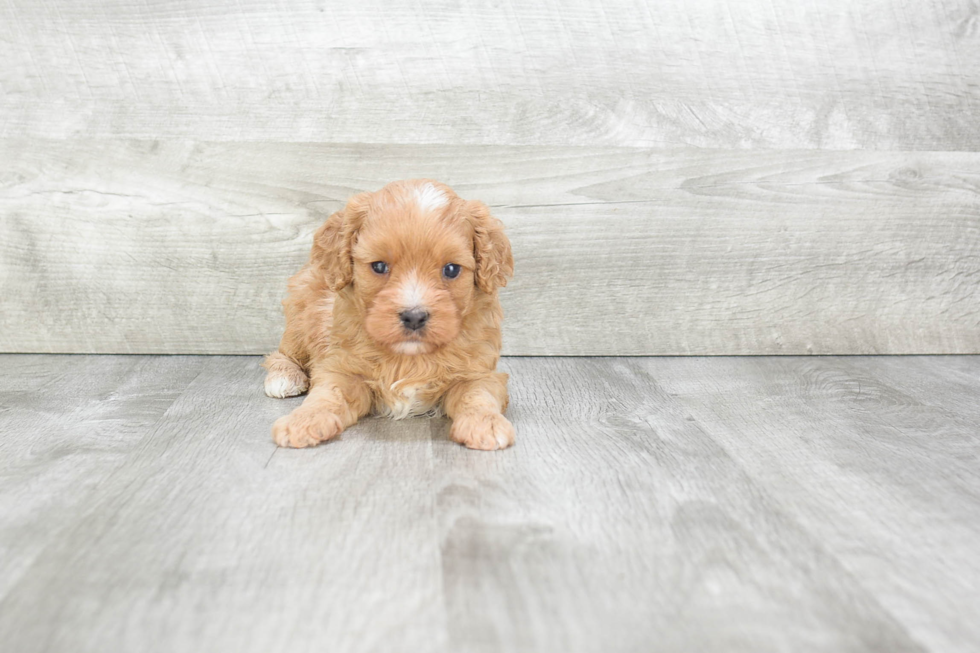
{"points": [[650, 504]]}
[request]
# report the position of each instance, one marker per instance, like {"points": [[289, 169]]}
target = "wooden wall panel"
{"points": [[795, 74], [728, 176], [169, 247]]}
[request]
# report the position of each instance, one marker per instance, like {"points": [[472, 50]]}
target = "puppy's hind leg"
{"points": [[285, 378]]}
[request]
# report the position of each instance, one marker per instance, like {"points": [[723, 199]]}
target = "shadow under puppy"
{"points": [[396, 313]]}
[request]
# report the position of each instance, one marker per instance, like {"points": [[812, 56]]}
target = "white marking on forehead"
{"points": [[413, 292], [430, 198]]}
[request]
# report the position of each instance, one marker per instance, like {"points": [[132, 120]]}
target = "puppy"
{"points": [[396, 313]]}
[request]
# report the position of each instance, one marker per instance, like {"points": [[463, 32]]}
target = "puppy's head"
{"points": [[418, 256]]}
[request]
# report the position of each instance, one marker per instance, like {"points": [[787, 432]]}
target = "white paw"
{"points": [[280, 386]]}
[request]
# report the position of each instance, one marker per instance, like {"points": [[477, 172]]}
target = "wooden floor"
{"points": [[650, 504]]}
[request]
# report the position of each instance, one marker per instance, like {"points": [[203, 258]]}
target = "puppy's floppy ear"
{"points": [[491, 248], [334, 240]]}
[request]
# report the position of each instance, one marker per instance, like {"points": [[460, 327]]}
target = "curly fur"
{"points": [[344, 340]]}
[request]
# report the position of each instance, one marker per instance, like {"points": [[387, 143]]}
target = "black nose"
{"points": [[414, 319]]}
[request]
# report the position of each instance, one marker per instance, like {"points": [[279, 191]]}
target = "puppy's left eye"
{"points": [[451, 271], [380, 267]]}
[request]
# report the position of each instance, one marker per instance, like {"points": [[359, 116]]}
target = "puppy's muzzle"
{"points": [[414, 318]]}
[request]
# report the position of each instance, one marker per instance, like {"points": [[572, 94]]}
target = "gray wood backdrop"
{"points": [[719, 177]]}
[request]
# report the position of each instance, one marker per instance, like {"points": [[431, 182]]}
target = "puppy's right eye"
{"points": [[380, 267]]}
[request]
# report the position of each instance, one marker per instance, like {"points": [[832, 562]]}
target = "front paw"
{"points": [[306, 428], [486, 431]]}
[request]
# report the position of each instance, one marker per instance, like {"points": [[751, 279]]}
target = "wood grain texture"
{"points": [[68, 423], [643, 529], [751, 504], [208, 538], [876, 456], [890, 74], [158, 247]]}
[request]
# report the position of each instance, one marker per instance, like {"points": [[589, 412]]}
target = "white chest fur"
{"points": [[404, 400]]}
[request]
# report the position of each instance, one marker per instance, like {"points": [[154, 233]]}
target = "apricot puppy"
{"points": [[396, 313]]}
